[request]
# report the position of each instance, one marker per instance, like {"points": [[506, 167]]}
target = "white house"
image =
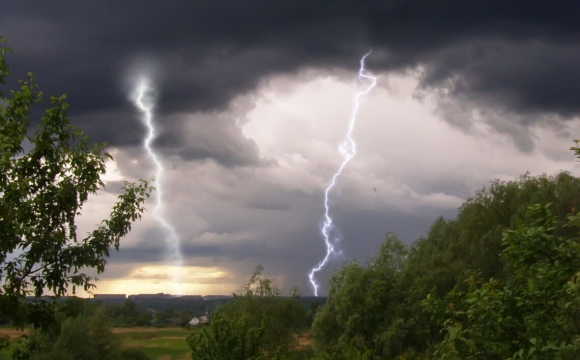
{"points": [[198, 320]]}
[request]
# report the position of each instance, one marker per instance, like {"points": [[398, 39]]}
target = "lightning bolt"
{"points": [[144, 102], [348, 150]]}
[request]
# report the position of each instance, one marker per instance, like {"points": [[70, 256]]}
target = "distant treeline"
{"points": [[177, 303]]}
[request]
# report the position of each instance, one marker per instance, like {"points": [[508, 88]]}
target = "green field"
{"points": [[159, 344]]}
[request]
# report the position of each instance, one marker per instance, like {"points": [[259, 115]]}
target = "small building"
{"points": [[199, 320]]}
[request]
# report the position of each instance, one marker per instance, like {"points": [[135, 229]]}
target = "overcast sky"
{"points": [[253, 99]]}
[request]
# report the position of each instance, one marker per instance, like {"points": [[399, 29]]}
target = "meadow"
{"points": [[157, 343]]}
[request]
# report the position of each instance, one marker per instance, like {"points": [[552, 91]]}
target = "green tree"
{"points": [[257, 323], [101, 337], [42, 191], [360, 319], [531, 314], [134, 354], [83, 337], [261, 302], [438, 262], [228, 339], [350, 325]]}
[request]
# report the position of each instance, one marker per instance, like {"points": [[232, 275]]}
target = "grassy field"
{"points": [[159, 344]]}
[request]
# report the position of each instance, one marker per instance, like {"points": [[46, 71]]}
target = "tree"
{"points": [[439, 261], [79, 338], [256, 324], [378, 311], [261, 302], [227, 339], [134, 354], [42, 191], [533, 313], [361, 317]]}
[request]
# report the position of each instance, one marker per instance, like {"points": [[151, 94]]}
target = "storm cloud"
{"points": [[252, 99], [515, 57]]}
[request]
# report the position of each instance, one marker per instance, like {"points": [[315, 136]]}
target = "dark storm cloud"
{"points": [[208, 137], [295, 253], [149, 251], [518, 59]]}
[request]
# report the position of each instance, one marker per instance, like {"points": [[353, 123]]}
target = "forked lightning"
{"points": [[348, 150], [143, 100]]}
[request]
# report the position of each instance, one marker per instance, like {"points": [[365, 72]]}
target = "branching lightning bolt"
{"points": [[143, 101], [348, 150]]}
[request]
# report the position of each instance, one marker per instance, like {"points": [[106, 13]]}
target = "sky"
{"points": [[253, 99]]}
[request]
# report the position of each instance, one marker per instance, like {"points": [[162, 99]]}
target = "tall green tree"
{"points": [[84, 337], [439, 261], [42, 191], [359, 321], [531, 314], [258, 323], [361, 317], [261, 302], [228, 339]]}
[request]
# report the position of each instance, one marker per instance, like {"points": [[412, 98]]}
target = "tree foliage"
{"points": [[532, 314], [472, 241], [83, 337], [257, 323], [360, 317], [376, 312], [228, 339], [48, 169], [263, 303]]}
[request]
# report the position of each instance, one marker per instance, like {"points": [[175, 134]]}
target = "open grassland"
{"points": [[159, 344]]}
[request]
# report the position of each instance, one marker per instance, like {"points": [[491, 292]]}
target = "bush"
{"points": [[134, 354]]}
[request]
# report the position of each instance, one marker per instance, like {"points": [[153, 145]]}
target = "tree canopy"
{"points": [[258, 323], [48, 169], [500, 278]]}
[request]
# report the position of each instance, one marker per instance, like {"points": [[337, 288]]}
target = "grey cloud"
{"points": [[512, 84], [114, 187], [448, 185], [517, 56], [459, 112], [291, 253], [152, 250], [515, 62], [208, 136]]}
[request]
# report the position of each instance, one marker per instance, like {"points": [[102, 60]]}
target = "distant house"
{"points": [[199, 320]]}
